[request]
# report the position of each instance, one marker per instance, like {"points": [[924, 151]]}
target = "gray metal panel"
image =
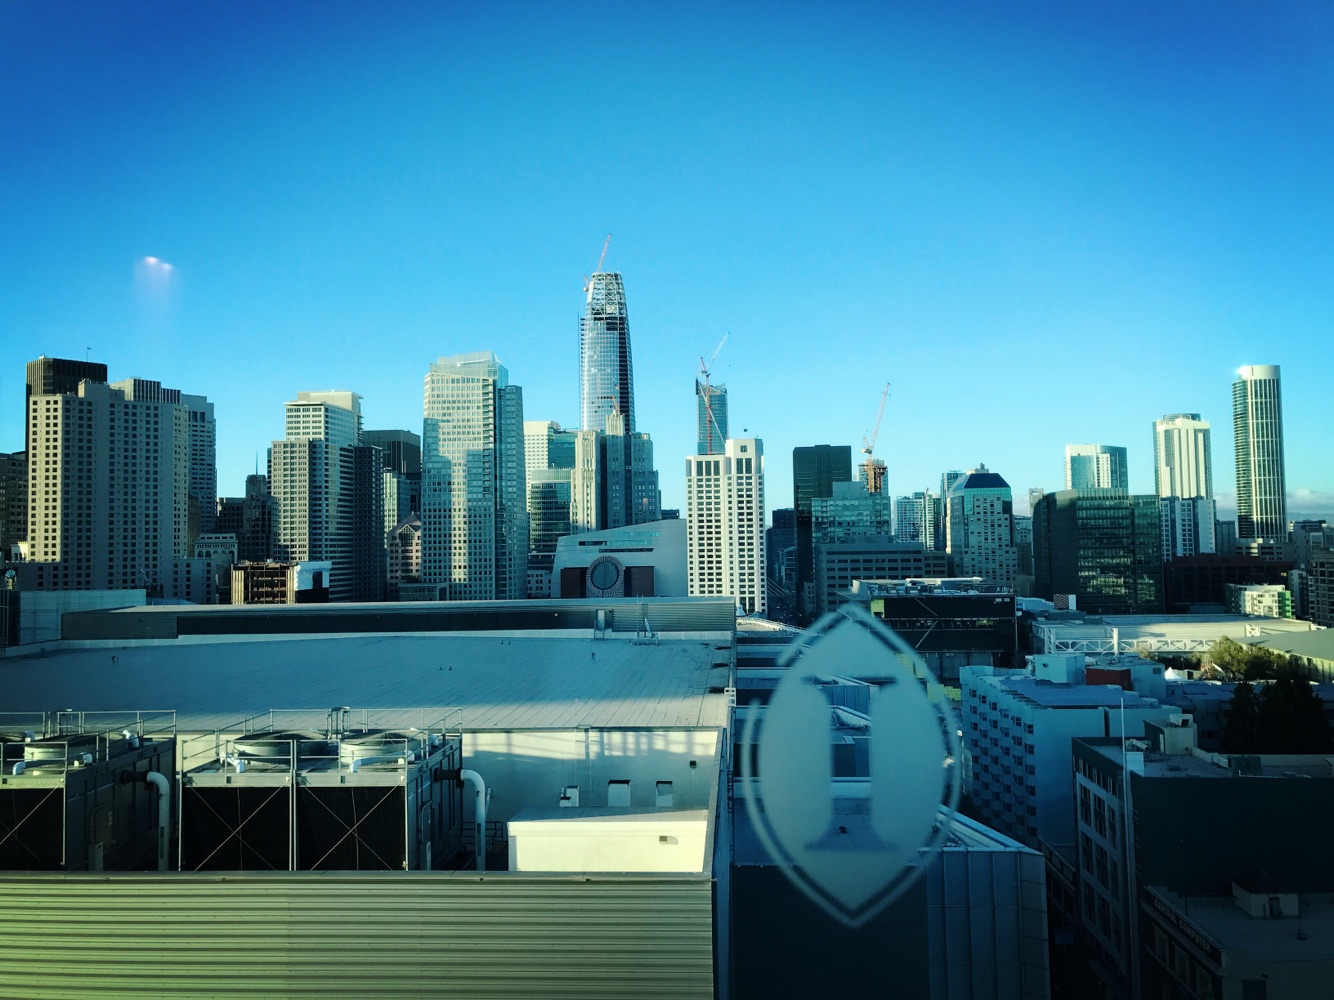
{"points": [[382, 935], [111, 625]]}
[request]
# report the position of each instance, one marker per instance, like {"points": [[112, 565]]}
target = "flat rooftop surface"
{"points": [[497, 682], [1188, 765], [1266, 940]]}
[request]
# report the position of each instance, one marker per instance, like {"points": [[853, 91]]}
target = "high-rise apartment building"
{"points": [[710, 417], [815, 470], [401, 451], [57, 377], [725, 524], [1257, 426], [1095, 467], [1189, 526], [979, 528], [606, 369], [13, 501], [108, 487], [474, 493], [1182, 457], [330, 493], [917, 518]]}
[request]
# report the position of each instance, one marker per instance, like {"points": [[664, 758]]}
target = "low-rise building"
{"points": [[1264, 600]]}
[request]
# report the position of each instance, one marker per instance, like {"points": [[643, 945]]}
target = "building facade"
{"points": [[108, 487], [474, 516], [1182, 457], [1103, 546], [979, 528], [330, 494], [1257, 426], [202, 430], [606, 367], [710, 417], [1189, 526], [725, 524], [13, 501], [1095, 467], [815, 470]]}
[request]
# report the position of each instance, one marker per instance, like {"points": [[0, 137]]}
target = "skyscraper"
{"points": [[1095, 467], [815, 469], [917, 517], [203, 435], [710, 417], [1104, 546], [606, 370], [1182, 457], [725, 524], [108, 482], [1257, 426], [979, 528], [330, 494], [56, 377], [474, 516]]}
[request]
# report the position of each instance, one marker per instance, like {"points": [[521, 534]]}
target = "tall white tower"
{"points": [[1182, 458], [1257, 425], [474, 493], [725, 524]]}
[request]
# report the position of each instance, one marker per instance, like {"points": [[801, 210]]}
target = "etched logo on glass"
{"points": [[853, 843]]}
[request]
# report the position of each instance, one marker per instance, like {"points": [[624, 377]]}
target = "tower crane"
{"points": [[875, 470], [711, 425], [598, 270]]}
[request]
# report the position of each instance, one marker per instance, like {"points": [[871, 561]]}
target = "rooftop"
{"points": [[1305, 938], [497, 681], [1200, 764]]}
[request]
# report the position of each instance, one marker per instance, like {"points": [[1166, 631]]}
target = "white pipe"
{"points": [[381, 759], [19, 766], [236, 762], [479, 813], [160, 782]]}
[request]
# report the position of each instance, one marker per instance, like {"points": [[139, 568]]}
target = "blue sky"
{"points": [[1042, 223]]}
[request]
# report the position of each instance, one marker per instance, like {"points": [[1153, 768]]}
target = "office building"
{"points": [[203, 435], [404, 550], [1257, 427], [1188, 526], [253, 519], [1017, 728], [950, 623], [710, 417], [401, 453], [917, 518], [1103, 546], [815, 469], [840, 564], [606, 369], [474, 516], [1095, 467], [947, 480], [1157, 909], [330, 494], [979, 528], [13, 501], [108, 487], [1320, 581], [725, 524], [1182, 457], [56, 377], [779, 543]]}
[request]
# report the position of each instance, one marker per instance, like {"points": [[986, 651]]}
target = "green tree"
{"points": [[1240, 733], [1229, 657], [1290, 717]]}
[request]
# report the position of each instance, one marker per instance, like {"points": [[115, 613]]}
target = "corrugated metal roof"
{"points": [[499, 682], [402, 934]]}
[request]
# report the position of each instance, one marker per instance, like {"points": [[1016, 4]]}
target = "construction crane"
{"points": [[875, 470], [706, 392], [598, 270]]}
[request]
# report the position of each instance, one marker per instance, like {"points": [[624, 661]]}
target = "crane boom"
{"points": [[868, 444], [605, 244]]}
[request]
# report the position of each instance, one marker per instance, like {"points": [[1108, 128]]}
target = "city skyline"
{"points": [[1021, 201]]}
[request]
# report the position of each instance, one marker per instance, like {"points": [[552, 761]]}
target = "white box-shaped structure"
{"points": [[608, 839]]}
